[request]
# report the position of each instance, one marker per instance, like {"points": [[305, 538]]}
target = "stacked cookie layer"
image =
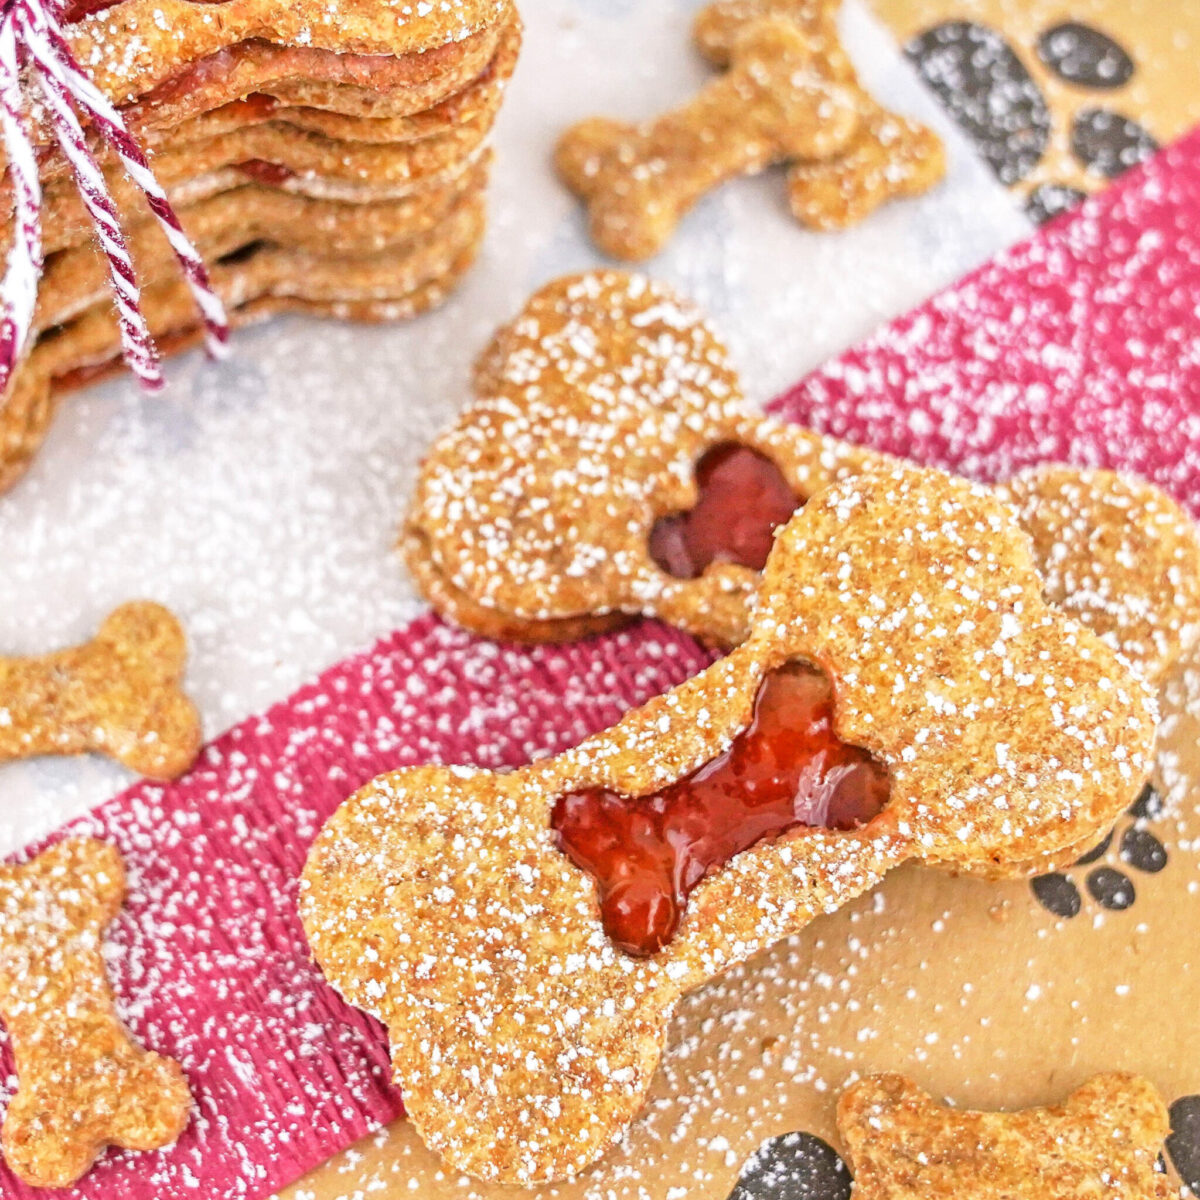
{"points": [[329, 158]]}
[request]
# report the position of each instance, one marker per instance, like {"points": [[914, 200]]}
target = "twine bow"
{"points": [[32, 39]]}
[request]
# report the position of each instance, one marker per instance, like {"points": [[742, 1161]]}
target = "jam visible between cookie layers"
{"points": [[788, 769], [744, 498], [259, 170]]}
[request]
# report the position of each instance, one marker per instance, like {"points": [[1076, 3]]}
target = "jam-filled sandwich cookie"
{"points": [[534, 517], [610, 467], [788, 94], [323, 156], [905, 693]]}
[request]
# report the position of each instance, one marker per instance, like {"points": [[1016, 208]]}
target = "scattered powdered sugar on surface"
{"points": [[208, 957], [438, 900], [261, 498], [1072, 312]]}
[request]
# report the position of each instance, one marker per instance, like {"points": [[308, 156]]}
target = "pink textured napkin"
{"points": [[209, 959], [1082, 344]]}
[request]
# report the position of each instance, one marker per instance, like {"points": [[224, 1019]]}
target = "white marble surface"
{"points": [[259, 498]]}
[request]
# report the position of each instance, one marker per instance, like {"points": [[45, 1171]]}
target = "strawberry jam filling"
{"points": [[788, 769], [743, 499], [259, 170]]}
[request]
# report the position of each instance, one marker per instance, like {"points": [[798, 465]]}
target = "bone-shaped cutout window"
{"points": [[787, 769], [743, 498]]}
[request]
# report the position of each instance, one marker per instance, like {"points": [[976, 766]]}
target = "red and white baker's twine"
{"points": [[32, 39]]}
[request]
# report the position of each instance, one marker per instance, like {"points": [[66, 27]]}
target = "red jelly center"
{"points": [[787, 769], [261, 171], [744, 498]]}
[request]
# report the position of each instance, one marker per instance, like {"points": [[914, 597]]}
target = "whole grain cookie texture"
{"points": [[788, 94], [119, 694], [610, 467], [83, 1083], [905, 694], [774, 103], [327, 158], [1104, 1140], [890, 156]]}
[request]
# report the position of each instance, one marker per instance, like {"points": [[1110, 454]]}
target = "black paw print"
{"points": [[1109, 886], [993, 97], [796, 1166], [1183, 1145]]}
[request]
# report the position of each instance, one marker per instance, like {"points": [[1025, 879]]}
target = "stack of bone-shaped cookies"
{"points": [[324, 157]]}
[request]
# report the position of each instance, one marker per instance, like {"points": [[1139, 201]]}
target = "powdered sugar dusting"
{"points": [[208, 959], [261, 502]]}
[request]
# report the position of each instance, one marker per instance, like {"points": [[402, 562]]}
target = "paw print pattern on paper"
{"points": [[1108, 884], [1007, 100], [794, 1166], [1082, 55], [1183, 1145]]}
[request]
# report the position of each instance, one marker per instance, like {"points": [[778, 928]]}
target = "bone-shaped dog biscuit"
{"points": [[447, 901], [638, 182], [117, 695], [889, 157], [82, 1082], [601, 406], [1103, 1141], [775, 103]]}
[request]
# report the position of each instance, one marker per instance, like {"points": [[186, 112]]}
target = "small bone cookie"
{"points": [[890, 156], [610, 467], [775, 103], [117, 695], [718, 26], [82, 1082], [903, 695], [1104, 1141]]}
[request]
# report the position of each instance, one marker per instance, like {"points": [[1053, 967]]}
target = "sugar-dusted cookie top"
{"points": [[135, 45], [905, 693], [1104, 1140], [120, 694], [82, 1082], [610, 468], [593, 407], [1117, 553]]}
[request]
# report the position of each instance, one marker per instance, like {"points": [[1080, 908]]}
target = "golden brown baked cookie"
{"points": [[82, 1082], [525, 935], [258, 281], [378, 115], [120, 695], [1103, 1140], [788, 93], [611, 466]]}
